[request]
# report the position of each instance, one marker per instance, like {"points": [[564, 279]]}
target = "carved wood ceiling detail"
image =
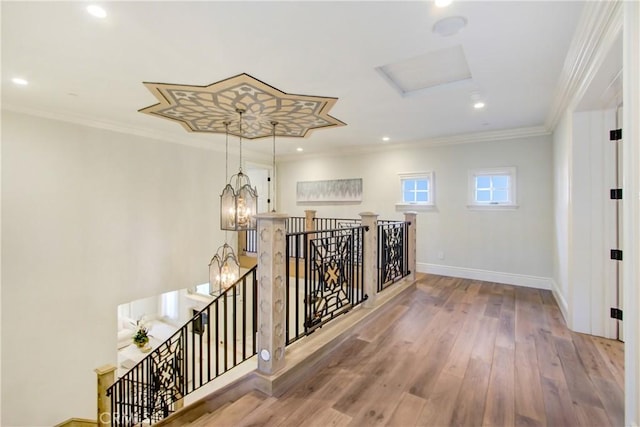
{"points": [[206, 108]]}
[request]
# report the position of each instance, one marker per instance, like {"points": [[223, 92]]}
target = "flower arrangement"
{"points": [[141, 336]]}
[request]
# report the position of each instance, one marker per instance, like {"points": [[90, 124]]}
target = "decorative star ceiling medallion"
{"points": [[206, 108]]}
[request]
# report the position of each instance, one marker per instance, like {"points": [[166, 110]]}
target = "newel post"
{"points": [[271, 273], [411, 218], [370, 257], [106, 378], [309, 223]]}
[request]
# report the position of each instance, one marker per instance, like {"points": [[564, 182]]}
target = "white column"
{"points": [[271, 291], [370, 257], [411, 218]]}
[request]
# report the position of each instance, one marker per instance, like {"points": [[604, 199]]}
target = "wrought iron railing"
{"points": [[251, 242], [293, 224], [333, 223], [217, 338], [393, 248], [326, 283], [314, 288]]}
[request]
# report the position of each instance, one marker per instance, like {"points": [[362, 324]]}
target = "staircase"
{"points": [[247, 399], [308, 281]]}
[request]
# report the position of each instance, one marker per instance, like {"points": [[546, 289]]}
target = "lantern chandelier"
{"points": [[224, 270], [239, 200], [206, 109]]}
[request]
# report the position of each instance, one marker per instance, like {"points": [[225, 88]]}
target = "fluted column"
{"points": [[271, 291], [370, 257]]}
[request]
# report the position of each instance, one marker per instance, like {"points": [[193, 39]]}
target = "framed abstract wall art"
{"points": [[329, 191]]}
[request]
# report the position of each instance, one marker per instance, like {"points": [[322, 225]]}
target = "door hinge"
{"points": [[616, 313], [616, 254], [615, 135], [616, 194]]}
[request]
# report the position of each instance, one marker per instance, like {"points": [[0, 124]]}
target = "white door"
{"points": [[619, 234], [259, 177]]}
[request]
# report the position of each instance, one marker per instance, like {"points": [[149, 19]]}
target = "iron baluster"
{"points": [[148, 392]]}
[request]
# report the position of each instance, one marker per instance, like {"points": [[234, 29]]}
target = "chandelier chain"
{"points": [[273, 167], [240, 112], [226, 150]]}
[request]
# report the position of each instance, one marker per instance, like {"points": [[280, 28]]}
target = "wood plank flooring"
{"points": [[454, 352]]}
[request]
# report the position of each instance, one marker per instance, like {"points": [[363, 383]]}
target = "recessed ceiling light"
{"points": [[443, 3], [478, 105], [449, 26], [385, 138], [299, 149], [19, 81], [97, 11]]}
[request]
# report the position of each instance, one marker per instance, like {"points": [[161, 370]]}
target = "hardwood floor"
{"points": [[454, 352]]}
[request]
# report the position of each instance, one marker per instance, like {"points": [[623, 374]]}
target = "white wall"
{"points": [[513, 246], [91, 219], [562, 137]]}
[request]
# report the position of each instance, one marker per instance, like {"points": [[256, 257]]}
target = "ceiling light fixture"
{"points": [[238, 201], [449, 26], [224, 270], [96, 11], [19, 81], [385, 138], [443, 3], [477, 101], [299, 149]]}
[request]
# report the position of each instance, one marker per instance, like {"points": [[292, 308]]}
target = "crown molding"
{"points": [[189, 140], [598, 27], [466, 138], [198, 141]]}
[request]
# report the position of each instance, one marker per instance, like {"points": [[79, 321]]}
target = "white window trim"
{"points": [[418, 206], [513, 188]]}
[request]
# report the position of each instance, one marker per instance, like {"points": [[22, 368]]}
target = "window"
{"points": [[203, 289], [169, 305], [417, 191], [492, 188]]}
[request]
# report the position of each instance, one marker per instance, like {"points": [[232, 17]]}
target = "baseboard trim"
{"points": [[486, 275], [560, 300]]}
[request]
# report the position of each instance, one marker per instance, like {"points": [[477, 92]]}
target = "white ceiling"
{"points": [[89, 70]]}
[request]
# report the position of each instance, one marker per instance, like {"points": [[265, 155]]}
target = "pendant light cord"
{"points": [[240, 112], [226, 166], [226, 150], [273, 167]]}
